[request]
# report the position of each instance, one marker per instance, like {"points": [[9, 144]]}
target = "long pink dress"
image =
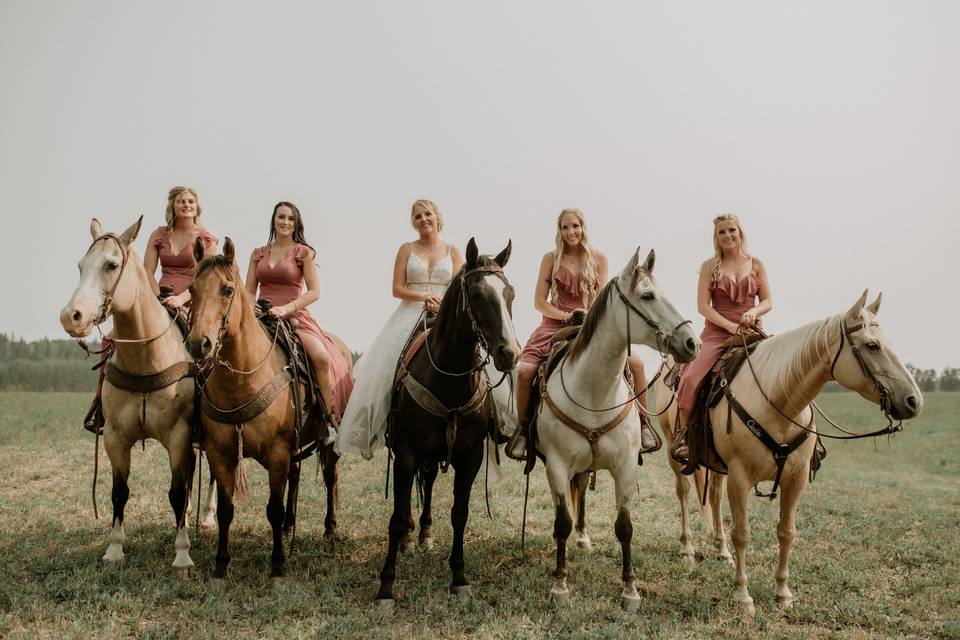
{"points": [[569, 298], [176, 269], [730, 299], [283, 283]]}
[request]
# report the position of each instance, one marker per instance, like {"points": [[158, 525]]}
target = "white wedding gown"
{"points": [[364, 422]]}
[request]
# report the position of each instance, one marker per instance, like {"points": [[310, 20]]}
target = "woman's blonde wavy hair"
{"points": [[589, 276], [429, 206], [716, 272], [172, 196]]}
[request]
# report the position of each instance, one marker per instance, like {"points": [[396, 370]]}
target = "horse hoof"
{"points": [[785, 602], [560, 598], [406, 545], [384, 604], [216, 585], [427, 543], [208, 523], [747, 607], [330, 535], [184, 572], [584, 543], [462, 592], [690, 561], [630, 602]]}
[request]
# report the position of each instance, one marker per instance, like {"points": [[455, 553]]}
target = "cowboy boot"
{"points": [[679, 450], [516, 448], [649, 441]]}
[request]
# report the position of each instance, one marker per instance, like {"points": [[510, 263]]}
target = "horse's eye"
{"points": [[873, 345], [648, 296], [111, 266], [226, 290]]}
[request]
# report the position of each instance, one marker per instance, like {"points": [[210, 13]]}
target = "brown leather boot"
{"points": [[679, 450]]}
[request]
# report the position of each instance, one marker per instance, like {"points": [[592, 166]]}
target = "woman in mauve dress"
{"points": [[571, 276], [280, 269], [176, 267], [732, 293]]}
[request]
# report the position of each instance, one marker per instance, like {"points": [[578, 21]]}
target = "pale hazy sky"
{"points": [[830, 127]]}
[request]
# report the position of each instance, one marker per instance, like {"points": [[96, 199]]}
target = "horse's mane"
{"points": [[219, 262], [785, 360], [595, 316]]}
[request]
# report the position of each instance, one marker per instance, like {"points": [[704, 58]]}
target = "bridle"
{"points": [[464, 304], [663, 337], [106, 307], [845, 334]]}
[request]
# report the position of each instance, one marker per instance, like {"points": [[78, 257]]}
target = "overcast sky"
{"points": [[831, 128]]}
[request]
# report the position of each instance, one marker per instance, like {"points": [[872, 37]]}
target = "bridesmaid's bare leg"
{"points": [[320, 360]]}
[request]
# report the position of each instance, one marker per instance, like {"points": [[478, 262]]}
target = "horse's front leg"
{"points": [[578, 498], [404, 469], [625, 480], [118, 450], [466, 469], [429, 476], [682, 488], [208, 518], [182, 463], [558, 476], [223, 466], [278, 470], [790, 491], [738, 492]]}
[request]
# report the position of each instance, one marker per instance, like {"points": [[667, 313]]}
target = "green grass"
{"points": [[876, 556]]}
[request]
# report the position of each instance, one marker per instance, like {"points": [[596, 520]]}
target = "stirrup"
{"points": [[679, 450], [649, 439], [516, 448], [93, 421]]}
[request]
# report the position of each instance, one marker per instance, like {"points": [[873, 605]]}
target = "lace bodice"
{"points": [[419, 278]]}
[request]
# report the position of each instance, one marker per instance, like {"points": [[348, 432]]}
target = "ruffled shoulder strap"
{"points": [[301, 252], [257, 254], [159, 237]]}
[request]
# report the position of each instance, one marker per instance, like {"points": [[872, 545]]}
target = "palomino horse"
{"points": [[250, 391], [792, 368], [147, 392], [589, 421], [445, 410]]}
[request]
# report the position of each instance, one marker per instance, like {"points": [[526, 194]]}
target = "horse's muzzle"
{"points": [[200, 347], [75, 322], [505, 357]]}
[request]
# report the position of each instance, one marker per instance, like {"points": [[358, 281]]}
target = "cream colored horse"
{"points": [[632, 308], [793, 368], [114, 282]]}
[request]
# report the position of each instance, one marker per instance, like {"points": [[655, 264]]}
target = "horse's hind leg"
{"points": [[331, 480], [293, 492], [429, 475], [278, 472], [466, 472], [682, 488], [403, 471], [119, 454], [578, 498], [182, 462], [717, 483], [790, 492], [625, 481], [208, 519]]}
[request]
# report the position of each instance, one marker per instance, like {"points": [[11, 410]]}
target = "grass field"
{"points": [[877, 553]]}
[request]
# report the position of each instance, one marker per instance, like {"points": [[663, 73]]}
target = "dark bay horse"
{"points": [[445, 377], [249, 400]]}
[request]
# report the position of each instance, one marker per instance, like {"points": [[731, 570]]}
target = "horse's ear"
{"points": [[130, 234], [854, 312], [631, 268], [198, 249], [472, 253], [95, 229], [228, 251], [504, 255], [874, 306], [647, 266]]}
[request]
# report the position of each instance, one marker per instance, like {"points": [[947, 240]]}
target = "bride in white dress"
{"points": [[421, 273]]}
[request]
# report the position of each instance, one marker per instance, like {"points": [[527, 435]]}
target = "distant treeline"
{"points": [[61, 365], [927, 379], [45, 365]]}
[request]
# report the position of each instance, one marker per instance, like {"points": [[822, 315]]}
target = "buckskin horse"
{"points": [[149, 389], [444, 411], [587, 419], [251, 400], [762, 425]]}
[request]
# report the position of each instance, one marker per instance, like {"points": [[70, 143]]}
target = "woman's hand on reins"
{"points": [[282, 311], [175, 302]]}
